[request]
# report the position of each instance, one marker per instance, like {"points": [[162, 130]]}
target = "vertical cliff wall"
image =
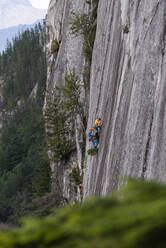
{"points": [[128, 91], [64, 52]]}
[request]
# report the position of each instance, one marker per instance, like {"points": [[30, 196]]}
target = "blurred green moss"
{"points": [[134, 217]]}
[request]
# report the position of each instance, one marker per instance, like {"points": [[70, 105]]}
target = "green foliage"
{"points": [[93, 151], [24, 168], [22, 66], [81, 24], [44, 205], [71, 93], [59, 129], [77, 178], [85, 25], [25, 171], [54, 46], [134, 217], [60, 116]]}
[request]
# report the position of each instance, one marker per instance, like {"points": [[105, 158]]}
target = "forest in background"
{"points": [[24, 168]]}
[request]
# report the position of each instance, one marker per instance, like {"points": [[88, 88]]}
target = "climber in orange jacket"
{"points": [[98, 125], [94, 132]]}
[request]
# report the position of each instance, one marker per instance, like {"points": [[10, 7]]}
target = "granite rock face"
{"points": [[68, 55], [128, 91]]}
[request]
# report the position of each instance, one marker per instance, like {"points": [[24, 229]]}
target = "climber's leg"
{"points": [[95, 143]]}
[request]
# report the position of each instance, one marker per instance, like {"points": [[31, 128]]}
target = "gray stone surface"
{"points": [[128, 91], [67, 57], [70, 49]]}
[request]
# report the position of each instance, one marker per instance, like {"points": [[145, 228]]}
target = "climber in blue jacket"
{"points": [[93, 137], [94, 132]]}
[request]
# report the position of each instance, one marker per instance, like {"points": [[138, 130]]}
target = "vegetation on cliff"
{"points": [[63, 106], [84, 25]]}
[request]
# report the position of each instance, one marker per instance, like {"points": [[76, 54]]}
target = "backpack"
{"points": [[89, 134]]}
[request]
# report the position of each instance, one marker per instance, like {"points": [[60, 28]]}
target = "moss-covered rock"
{"points": [[54, 46], [93, 151]]}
